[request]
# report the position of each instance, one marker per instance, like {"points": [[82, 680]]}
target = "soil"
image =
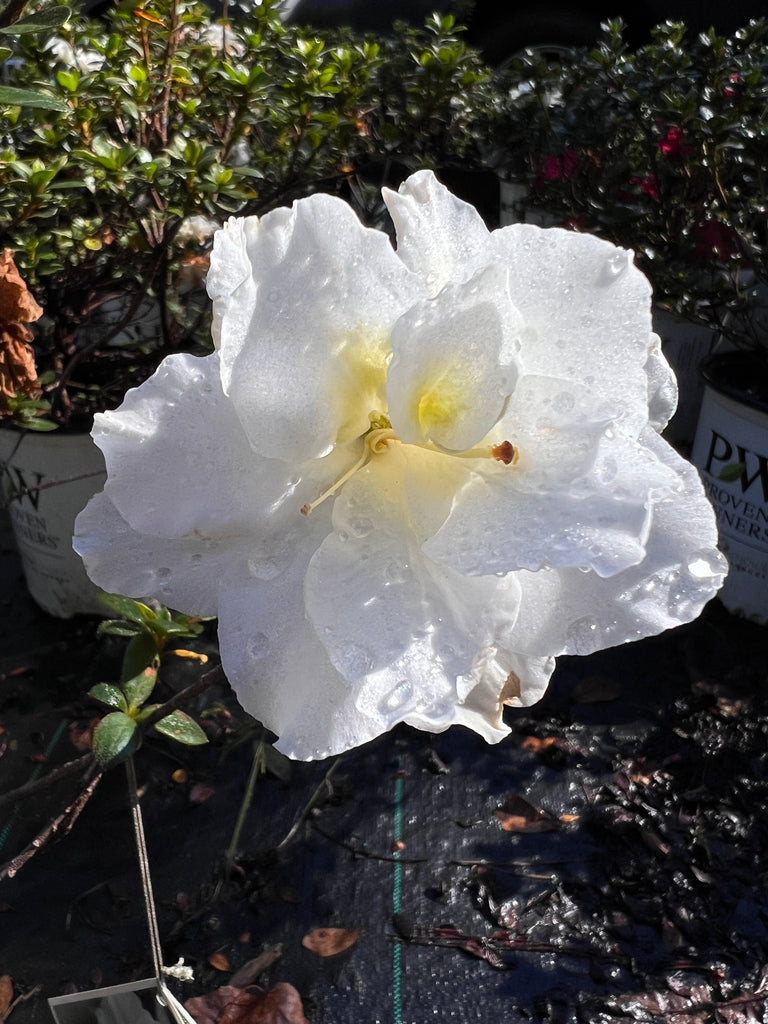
{"points": [[606, 863]]}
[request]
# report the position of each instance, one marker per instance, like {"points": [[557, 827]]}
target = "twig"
{"points": [[36, 785], [258, 767], [309, 805], [215, 676], [68, 817]]}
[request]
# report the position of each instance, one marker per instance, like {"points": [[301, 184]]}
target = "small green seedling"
{"points": [[148, 630]]}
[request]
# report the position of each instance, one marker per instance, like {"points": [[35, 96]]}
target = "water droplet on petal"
{"points": [[617, 262], [582, 636], [257, 646], [265, 568], [353, 661], [398, 697], [397, 573], [360, 526], [706, 564], [563, 402]]}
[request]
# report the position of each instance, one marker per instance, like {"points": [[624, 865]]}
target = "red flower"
{"points": [[729, 90], [649, 185], [560, 168], [672, 144]]}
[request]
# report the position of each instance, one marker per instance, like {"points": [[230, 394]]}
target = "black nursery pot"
{"points": [[730, 450]]}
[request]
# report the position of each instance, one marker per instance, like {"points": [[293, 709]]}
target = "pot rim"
{"points": [[739, 375]]}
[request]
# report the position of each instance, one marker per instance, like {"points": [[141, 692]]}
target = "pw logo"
{"points": [[722, 453]]}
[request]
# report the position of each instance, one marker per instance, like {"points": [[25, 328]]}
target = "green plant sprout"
{"points": [[148, 629]]}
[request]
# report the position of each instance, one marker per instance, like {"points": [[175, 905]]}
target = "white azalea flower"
{"points": [[406, 480]]}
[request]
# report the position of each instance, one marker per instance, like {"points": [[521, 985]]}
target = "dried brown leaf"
{"points": [[518, 815], [6, 995], [17, 304], [538, 744], [229, 1005], [219, 962], [330, 941]]}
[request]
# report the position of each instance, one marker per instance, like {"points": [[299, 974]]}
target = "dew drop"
{"points": [[607, 470], [397, 573], [703, 565], [257, 646], [398, 697], [563, 402], [617, 262], [360, 526], [264, 568], [353, 661], [582, 636]]}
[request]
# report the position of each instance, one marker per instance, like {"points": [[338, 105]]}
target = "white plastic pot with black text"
{"points": [[731, 452]]}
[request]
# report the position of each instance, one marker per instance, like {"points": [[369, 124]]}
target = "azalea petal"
{"points": [[183, 574], [280, 671], [452, 367], [662, 386], [404, 632], [569, 288], [439, 237], [682, 570], [372, 566], [304, 348], [579, 496], [169, 473]]}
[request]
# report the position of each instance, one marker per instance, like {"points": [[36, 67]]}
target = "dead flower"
{"points": [[18, 376]]}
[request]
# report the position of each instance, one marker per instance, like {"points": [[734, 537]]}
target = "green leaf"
{"points": [[140, 653], [117, 627], [180, 727], [11, 97], [115, 738], [139, 688], [68, 80], [126, 607], [109, 694], [50, 19], [731, 472]]}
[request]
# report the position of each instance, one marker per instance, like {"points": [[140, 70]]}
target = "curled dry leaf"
{"points": [[330, 941], [18, 375], [219, 962], [6, 996], [517, 815], [229, 1005]]}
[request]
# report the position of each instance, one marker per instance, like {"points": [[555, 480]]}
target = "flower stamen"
{"points": [[504, 452], [377, 440]]}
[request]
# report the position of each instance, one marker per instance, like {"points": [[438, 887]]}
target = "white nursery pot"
{"points": [[47, 479], [731, 452], [684, 344]]}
